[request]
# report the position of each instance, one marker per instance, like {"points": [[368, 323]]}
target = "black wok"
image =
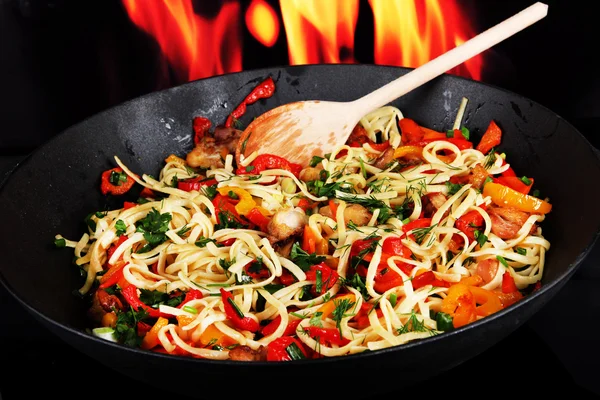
{"points": [[54, 189]]}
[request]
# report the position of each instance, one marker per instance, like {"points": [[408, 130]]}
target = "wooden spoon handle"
{"points": [[450, 59]]}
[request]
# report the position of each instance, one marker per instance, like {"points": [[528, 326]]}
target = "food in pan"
{"points": [[402, 233]]}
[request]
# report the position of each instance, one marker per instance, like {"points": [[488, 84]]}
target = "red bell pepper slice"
{"points": [[263, 90], [191, 294], [115, 276], [490, 139], [287, 278], [416, 224], [257, 273], [508, 283], [326, 336], [131, 296], [361, 245], [258, 219], [226, 204], [277, 350], [106, 186], [196, 183], [328, 278], [411, 131], [265, 162], [235, 315], [470, 222], [201, 126], [272, 326], [128, 204], [428, 278]]}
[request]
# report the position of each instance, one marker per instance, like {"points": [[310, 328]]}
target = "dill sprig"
{"points": [[421, 233]]}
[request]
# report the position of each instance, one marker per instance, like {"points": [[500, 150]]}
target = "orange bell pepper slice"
{"points": [[504, 196], [408, 150], [460, 304], [212, 336], [328, 307], [246, 203], [151, 339], [490, 139], [488, 301]]}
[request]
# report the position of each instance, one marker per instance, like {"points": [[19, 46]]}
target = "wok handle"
{"points": [[450, 59]]}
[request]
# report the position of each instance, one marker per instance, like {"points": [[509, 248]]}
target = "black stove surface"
{"points": [[557, 351]]}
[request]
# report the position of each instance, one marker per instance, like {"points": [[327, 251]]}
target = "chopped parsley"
{"points": [[153, 226], [304, 260]]}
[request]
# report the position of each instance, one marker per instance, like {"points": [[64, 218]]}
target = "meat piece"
{"points": [[506, 221], [356, 213], [212, 150], [385, 158], [286, 223], [207, 154], [432, 202], [487, 269], [103, 303], [477, 176], [245, 353], [227, 136], [284, 248], [311, 173]]}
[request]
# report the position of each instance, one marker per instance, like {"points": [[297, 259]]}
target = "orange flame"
{"points": [[410, 33], [262, 22], [197, 47], [320, 31]]}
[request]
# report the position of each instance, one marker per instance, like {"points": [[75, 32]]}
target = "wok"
{"points": [[54, 188]]}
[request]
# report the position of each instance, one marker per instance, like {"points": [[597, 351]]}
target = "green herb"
{"points": [[226, 264], [453, 188], [393, 299], [536, 193], [235, 307], [202, 241], [339, 312], [250, 168], [444, 322], [490, 159], [190, 309], [100, 214], [233, 195], [120, 227], [174, 181], [294, 352], [210, 191], [245, 142], [487, 180], [315, 160], [255, 177], [117, 178], [502, 261], [304, 260], [60, 242], [319, 188], [357, 283], [318, 281], [126, 326], [142, 200], [480, 238], [465, 132], [363, 170], [153, 226], [90, 222], [154, 298], [368, 202], [421, 233], [315, 320], [413, 325], [450, 133], [521, 251], [526, 180], [227, 220], [185, 229]]}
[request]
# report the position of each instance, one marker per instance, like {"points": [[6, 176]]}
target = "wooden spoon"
{"points": [[300, 130]]}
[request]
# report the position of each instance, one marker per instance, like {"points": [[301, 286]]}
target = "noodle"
{"points": [[387, 240]]}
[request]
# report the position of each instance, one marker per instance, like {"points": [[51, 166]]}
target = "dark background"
{"points": [[62, 61]]}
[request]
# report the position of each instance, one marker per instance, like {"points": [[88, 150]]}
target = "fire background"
{"points": [[62, 61]]}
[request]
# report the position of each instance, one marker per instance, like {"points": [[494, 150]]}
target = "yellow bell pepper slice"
{"points": [[408, 151], [246, 202], [504, 196]]}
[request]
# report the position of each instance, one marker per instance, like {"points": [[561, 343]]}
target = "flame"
{"points": [[320, 31], [196, 46], [262, 22], [411, 33]]}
